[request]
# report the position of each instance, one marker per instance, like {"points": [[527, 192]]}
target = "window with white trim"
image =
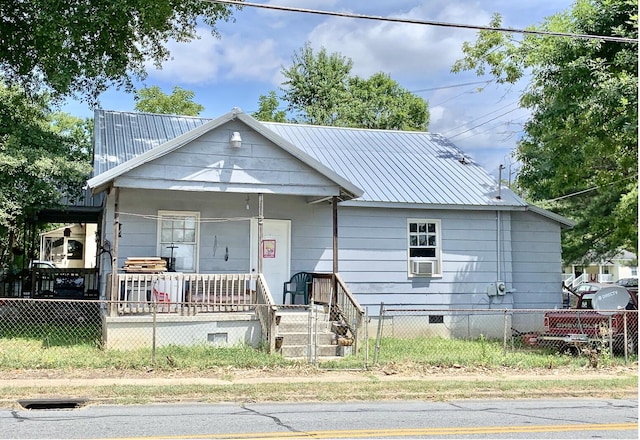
{"points": [[178, 233], [424, 245]]}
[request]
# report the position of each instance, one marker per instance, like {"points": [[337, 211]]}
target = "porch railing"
{"points": [[266, 311], [77, 283], [171, 292], [350, 312]]}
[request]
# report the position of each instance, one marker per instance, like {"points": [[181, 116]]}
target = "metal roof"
{"points": [[392, 167]]}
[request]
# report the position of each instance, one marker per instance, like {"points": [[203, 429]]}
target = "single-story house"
{"points": [[402, 218]]}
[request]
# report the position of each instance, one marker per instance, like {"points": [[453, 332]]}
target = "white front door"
{"points": [[276, 253]]}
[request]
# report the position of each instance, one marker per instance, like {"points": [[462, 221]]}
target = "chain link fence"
{"points": [[465, 335], [87, 332]]}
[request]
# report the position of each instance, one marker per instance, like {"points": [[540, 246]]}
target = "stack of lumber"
{"points": [[145, 264]]}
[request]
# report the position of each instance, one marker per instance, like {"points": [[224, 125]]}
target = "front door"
{"points": [[276, 253]]}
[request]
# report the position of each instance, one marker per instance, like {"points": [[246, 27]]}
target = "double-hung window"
{"points": [[178, 233], [425, 248]]}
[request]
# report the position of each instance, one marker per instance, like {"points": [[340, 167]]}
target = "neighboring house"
{"points": [[622, 265], [404, 217]]}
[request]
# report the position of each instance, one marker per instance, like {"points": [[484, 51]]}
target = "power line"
{"points": [[427, 22], [484, 123]]}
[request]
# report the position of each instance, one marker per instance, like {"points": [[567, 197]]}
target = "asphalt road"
{"points": [[495, 419]]}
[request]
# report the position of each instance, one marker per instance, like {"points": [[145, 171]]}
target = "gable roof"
{"points": [[153, 151], [393, 168]]}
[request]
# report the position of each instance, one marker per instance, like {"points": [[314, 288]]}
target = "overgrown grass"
{"points": [[481, 352], [49, 346]]}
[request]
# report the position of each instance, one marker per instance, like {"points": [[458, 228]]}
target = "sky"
{"points": [[481, 118]]}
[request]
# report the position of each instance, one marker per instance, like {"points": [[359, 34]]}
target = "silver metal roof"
{"points": [[392, 167]]}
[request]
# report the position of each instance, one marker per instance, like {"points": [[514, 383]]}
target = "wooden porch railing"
{"points": [[350, 311], [345, 310], [170, 292]]}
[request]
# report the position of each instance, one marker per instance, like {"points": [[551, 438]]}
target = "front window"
{"points": [[178, 239], [424, 247]]}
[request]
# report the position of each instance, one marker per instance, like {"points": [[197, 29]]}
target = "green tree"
{"points": [[580, 146], [379, 102], [85, 46], [39, 165], [180, 102], [316, 85], [319, 89], [268, 109]]}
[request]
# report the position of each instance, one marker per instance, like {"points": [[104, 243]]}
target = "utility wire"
{"points": [[427, 22], [566, 196], [484, 123]]}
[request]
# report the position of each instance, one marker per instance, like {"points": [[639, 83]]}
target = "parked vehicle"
{"points": [[592, 325], [631, 284]]}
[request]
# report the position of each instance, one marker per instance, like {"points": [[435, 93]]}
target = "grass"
{"points": [[65, 346], [409, 369]]}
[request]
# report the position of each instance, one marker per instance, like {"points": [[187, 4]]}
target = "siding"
{"points": [[210, 164], [537, 262]]}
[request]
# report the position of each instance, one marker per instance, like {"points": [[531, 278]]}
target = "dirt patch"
{"points": [[306, 372]]}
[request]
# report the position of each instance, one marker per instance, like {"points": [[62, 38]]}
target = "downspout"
{"points": [[498, 245], [260, 229], [499, 225], [114, 255]]}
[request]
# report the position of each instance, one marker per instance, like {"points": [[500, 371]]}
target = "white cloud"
{"points": [[397, 48], [209, 60]]}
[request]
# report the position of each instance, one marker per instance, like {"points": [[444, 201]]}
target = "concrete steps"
{"points": [[293, 329]]}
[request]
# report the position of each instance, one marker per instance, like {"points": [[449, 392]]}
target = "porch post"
{"points": [[335, 234], [334, 281], [260, 229], [114, 250]]}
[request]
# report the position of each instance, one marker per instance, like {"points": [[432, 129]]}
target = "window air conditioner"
{"points": [[422, 267]]}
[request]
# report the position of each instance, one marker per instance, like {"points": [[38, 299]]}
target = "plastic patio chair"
{"points": [[299, 284]]}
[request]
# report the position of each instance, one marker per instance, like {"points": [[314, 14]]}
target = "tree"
{"points": [[379, 102], [85, 46], [316, 85], [268, 109], [320, 90], [39, 165], [180, 102], [579, 148]]}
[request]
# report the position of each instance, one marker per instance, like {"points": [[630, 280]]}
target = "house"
{"points": [[402, 217], [624, 264]]}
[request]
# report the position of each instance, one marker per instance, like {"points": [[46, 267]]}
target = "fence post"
{"points": [[504, 335], [153, 333], [379, 334], [626, 338], [366, 338]]}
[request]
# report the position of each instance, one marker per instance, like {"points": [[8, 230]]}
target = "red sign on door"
{"points": [[268, 249]]}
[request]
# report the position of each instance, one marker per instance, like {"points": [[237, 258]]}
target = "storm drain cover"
{"points": [[61, 403]]}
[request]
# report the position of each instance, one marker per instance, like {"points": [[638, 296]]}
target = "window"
{"points": [[424, 247], [178, 234]]}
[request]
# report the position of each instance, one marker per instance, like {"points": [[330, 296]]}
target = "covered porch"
{"points": [[224, 309]]}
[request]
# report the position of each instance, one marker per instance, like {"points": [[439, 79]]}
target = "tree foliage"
{"points": [[180, 102], [580, 146], [319, 89], [85, 46], [268, 109], [43, 158]]}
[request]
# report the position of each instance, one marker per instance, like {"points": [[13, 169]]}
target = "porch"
{"points": [[227, 309]]}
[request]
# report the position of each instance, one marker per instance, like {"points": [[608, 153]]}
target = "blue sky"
{"points": [[245, 62]]}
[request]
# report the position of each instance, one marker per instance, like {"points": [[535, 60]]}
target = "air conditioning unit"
{"points": [[422, 267]]}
